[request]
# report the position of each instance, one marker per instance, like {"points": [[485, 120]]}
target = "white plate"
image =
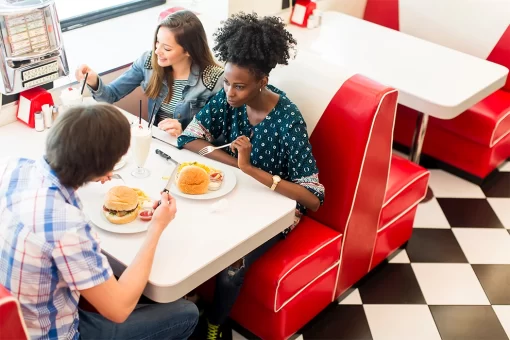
{"points": [[95, 213], [229, 183], [94, 195], [119, 165]]}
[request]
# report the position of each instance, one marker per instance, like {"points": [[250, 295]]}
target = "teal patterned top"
{"points": [[280, 144]]}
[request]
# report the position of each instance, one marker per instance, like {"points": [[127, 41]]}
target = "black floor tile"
{"points": [[498, 185], [467, 323], [347, 322], [495, 280], [435, 245], [391, 284], [469, 213]]}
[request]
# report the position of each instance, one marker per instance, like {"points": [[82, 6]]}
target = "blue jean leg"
{"points": [[175, 320], [230, 280]]}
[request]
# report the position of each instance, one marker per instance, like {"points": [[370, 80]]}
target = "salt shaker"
{"points": [[39, 121], [318, 17], [311, 22], [54, 113], [47, 114]]}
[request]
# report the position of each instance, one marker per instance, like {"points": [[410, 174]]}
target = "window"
{"points": [[75, 14]]}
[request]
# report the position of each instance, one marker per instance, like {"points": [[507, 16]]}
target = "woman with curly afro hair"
{"points": [[267, 131]]}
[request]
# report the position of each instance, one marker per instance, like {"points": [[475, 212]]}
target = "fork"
{"points": [[210, 148], [117, 176]]}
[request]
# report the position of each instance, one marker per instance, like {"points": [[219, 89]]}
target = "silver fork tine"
{"points": [[117, 176], [206, 150]]}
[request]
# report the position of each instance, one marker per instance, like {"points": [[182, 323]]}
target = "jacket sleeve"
{"points": [[122, 86]]}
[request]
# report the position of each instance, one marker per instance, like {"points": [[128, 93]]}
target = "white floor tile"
{"points": [[503, 313], [444, 184], [484, 246], [501, 207], [505, 167], [352, 299], [394, 322], [449, 284], [401, 257], [430, 215], [237, 336]]}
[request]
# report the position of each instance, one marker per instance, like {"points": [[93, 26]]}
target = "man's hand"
{"points": [[105, 178], [165, 212]]}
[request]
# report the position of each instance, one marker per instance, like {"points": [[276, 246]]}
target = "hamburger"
{"points": [[121, 205], [192, 179]]}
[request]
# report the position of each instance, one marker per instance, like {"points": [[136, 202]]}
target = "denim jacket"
{"points": [[200, 88]]}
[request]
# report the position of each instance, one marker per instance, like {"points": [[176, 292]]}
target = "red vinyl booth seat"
{"points": [[308, 252], [477, 141], [12, 325], [407, 187]]}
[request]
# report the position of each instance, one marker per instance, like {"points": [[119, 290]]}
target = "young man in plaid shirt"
{"points": [[50, 256]]}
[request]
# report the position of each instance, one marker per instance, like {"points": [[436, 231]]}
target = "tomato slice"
{"points": [[145, 215]]}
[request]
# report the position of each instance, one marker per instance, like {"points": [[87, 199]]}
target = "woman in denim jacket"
{"points": [[180, 57]]}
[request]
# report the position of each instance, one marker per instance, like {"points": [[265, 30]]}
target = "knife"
{"points": [[174, 171], [164, 155]]}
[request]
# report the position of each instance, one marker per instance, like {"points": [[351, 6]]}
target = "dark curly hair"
{"points": [[255, 43]]}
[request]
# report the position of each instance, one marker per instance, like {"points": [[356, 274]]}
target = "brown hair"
{"points": [[190, 34], [86, 142]]}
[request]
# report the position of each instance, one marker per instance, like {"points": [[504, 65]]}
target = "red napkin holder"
{"points": [[30, 102], [302, 11]]}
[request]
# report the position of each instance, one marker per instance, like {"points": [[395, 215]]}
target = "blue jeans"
{"points": [[175, 320], [230, 280]]}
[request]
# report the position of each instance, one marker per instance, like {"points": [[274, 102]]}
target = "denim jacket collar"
{"points": [[194, 75]]}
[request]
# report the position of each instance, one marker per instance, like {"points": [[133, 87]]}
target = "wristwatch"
{"points": [[276, 180]]}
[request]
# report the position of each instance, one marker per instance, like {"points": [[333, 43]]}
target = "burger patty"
{"points": [[119, 213]]}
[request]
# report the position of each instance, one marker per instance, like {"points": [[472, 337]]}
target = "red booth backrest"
{"points": [[352, 145], [501, 53]]}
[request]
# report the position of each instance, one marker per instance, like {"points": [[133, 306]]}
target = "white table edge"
{"points": [[172, 292], [456, 109]]}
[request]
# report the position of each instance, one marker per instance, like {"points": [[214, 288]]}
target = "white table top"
{"points": [[197, 244], [433, 79]]}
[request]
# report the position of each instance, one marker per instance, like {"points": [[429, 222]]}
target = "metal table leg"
{"points": [[418, 137], [417, 143]]}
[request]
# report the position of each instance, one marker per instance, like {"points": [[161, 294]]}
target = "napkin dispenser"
{"points": [[30, 102], [32, 52]]}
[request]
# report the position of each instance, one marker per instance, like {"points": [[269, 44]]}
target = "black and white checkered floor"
{"points": [[451, 282]]}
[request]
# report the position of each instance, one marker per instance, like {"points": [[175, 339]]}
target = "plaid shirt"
{"points": [[48, 252]]}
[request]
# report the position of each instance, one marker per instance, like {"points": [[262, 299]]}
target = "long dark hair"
{"points": [[190, 34]]}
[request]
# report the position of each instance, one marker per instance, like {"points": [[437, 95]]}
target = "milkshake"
{"points": [[71, 96], [141, 139]]}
